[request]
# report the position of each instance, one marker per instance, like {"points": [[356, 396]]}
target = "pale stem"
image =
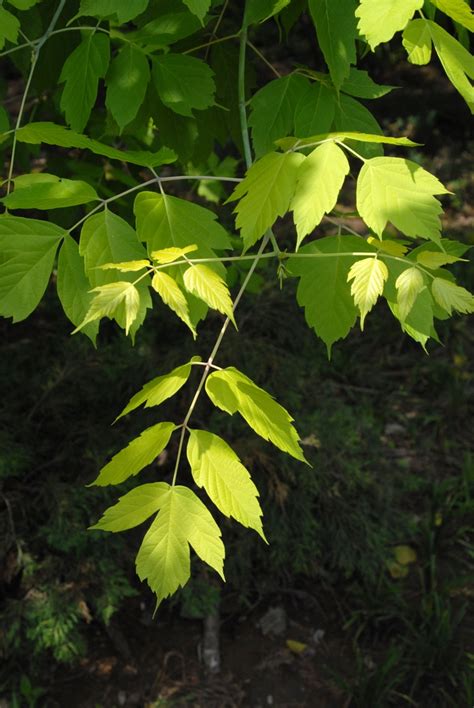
{"points": [[264, 59]]}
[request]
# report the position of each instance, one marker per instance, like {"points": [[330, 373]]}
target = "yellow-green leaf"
{"points": [[112, 300], [369, 276], [379, 20], [409, 284], [405, 555], [452, 297], [138, 454], [133, 508], [417, 42], [207, 285], [435, 259], [394, 248], [216, 467], [458, 10], [127, 266], [319, 180], [234, 392], [168, 255], [172, 295], [342, 136]]}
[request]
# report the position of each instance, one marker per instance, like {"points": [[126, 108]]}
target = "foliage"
{"points": [[164, 106]]}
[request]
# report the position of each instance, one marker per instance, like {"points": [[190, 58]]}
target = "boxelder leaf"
{"points": [[368, 276], [314, 112], [458, 10], [336, 29], [260, 10], [163, 559], [198, 7], [379, 20], [400, 191], [168, 255], [319, 180], [409, 284], [127, 81], [172, 295], [51, 195], [361, 85], [265, 194], [234, 392], [417, 42], [207, 285], [81, 73], [216, 467], [452, 297], [9, 27], [457, 62], [28, 249], [323, 289], [159, 389], [435, 259], [138, 454], [184, 83], [122, 11], [133, 508], [273, 110], [74, 287], [120, 299], [351, 116], [52, 134]]}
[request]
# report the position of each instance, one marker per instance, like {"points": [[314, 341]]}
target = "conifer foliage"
{"points": [[135, 96]]}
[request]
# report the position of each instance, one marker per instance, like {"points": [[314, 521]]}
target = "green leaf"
{"points": [[168, 255], [172, 295], [323, 290], [106, 238], [233, 392], [168, 222], [320, 179], [457, 62], [265, 194], [138, 454], [115, 300], [159, 389], [261, 10], [133, 508], [74, 287], [352, 116], [336, 29], [458, 10], [127, 81], [369, 276], [57, 194], [118, 9], [400, 191], [310, 141], [81, 73], [409, 284], [360, 84], [379, 20], [165, 30], [183, 83], [394, 248], [216, 467], [163, 559], [52, 134], [28, 248], [23, 4], [435, 259], [417, 42], [207, 285], [9, 27], [198, 7], [314, 112], [273, 110], [451, 296]]}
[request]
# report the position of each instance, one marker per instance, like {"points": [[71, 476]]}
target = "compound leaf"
{"points": [[172, 295], [28, 248], [138, 454], [53, 193], [163, 559], [207, 285], [400, 191], [369, 276], [74, 287], [336, 29], [127, 81], [168, 255], [159, 389], [319, 181], [81, 73], [216, 467], [233, 392], [114, 300], [379, 20], [133, 508], [265, 194], [183, 83]]}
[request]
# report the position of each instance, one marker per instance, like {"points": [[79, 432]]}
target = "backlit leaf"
{"points": [[314, 112], [56, 194], [120, 299], [400, 191], [9, 27], [458, 10], [260, 10], [207, 285], [451, 296], [133, 508], [126, 266], [233, 392], [319, 181], [172, 295], [435, 259], [292, 142], [368, 276], [457, 62], [409, 284], [379, 20], [81, 73], [216, 467], [168, 255], [127, 81], [122, 11], [417, 42], [361, 85], [159, 389], [184, 83], [138, 454], [265, 194], [74, 287]]}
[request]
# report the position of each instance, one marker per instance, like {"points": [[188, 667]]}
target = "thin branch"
{"points": [[264, 59]]}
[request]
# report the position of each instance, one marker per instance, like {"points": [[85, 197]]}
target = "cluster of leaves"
{"points": [[164, 106]]}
